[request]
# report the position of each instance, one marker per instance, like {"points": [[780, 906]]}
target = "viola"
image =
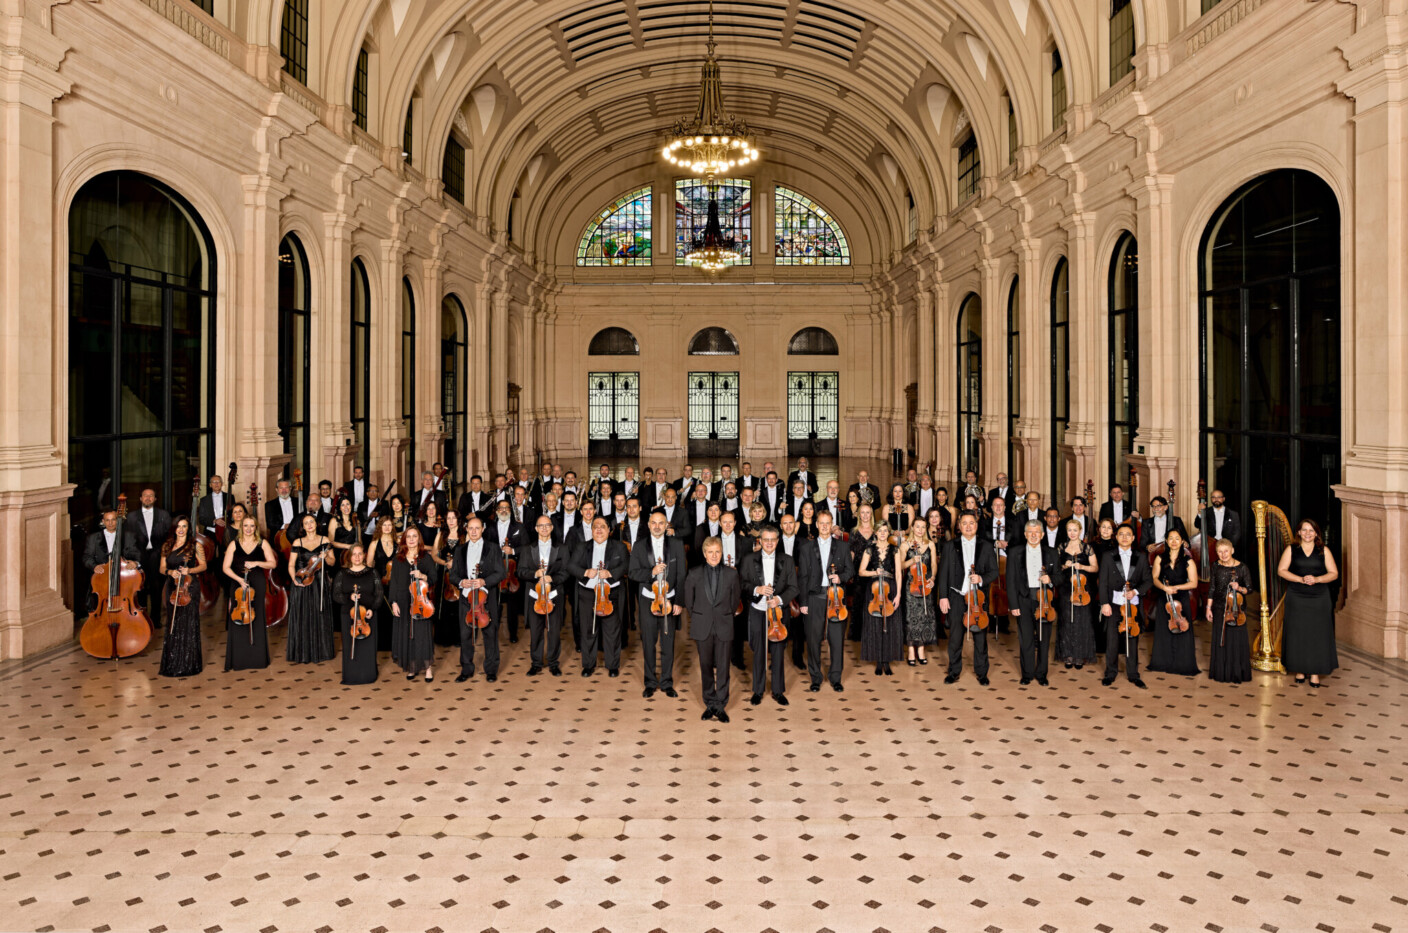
{"points": [[116, 628], [603, 594], [542, 592], [209, 586], [776, 630], [975, 617], [244, 612], [275, 596], [361, 616], [478, 613], [422, 607], [1080, 593], [921, 582], [836, 601], [510, 582]]}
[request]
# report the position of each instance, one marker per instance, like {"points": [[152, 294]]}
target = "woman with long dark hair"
{"points": [[412, 637], [182, 562]]}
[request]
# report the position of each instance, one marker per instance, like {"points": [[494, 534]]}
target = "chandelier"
{"points": [[711, 143]]}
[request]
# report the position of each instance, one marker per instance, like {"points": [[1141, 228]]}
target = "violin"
{"points": [[1080, 593], [209, 586], [421, 605], [116, 628], [510, 582], [921, 582], [1045, 609], [305, 576], [660, 595], [1177, 621], [1129, 617], [275, 596], [542, 592], [1233, 610], [975, 617], [478, 614], [603, 594], [881, 603], [361, 617], [181, 592], [836, 601], [244, 612]]}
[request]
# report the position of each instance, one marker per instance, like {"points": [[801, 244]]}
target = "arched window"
{"points": [[454, 377], [408, 372], [452, 169], [1121, 39], [293, 39], [141, 350], [807, 235], [735, 197], [408, 133], [713, 341], [1123, 415], [295, 364], [969, 340], [620, 233], [1060, 374], [970, 167], [360, 81], [359, 393], [614, 341], [812, 341], [1058, 91], [1269, 272], [1014, 377]]}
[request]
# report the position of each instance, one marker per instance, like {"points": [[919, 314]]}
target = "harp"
{"points": [[1273, 536]]}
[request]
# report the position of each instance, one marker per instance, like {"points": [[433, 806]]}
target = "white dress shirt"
{"points": [[657, 547], [148, 516], [1034, 566], [1126, 557], [286, 509], [769, 569], [969, 546]]}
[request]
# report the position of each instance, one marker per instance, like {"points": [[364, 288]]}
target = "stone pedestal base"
{"points": [[1374, 587], [34, 534]]}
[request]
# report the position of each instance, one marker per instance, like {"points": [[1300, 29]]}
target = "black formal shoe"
{"points": [[814, 688], [555, 670], [1068, 665], [982, 681], [613, 673], [648, 692], [755, 699], [951, 679], [837, 687], [1042, 681], [781, 700], [1298, 681], [670, 692], [911, 662], [513, 639], [411, 676], [492, 678], [708, 714], [721, 716], [1080, 664], [1106, 681], [535, 670], [1026, 680], [589, 672], [923, 660], [464, 675], [1138, 682]]}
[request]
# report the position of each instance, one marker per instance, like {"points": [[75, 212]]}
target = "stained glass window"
{"points": [[619, 235], [692, 213], [806, 234]]}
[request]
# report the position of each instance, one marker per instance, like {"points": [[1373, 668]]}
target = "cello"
{"points": [[975, 617], [209, 586], [117, 628], [275, 596]]}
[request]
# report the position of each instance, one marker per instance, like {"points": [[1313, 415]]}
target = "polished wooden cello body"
{"points": [[117, 628]]}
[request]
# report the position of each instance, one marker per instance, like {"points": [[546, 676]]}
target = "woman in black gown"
{"points": [[1075, 632], [882, 638], [897, 513], [938, 519], [1103, 544], [1230, 654], [1308, 642], [250, 557], [181, 651], [862, 536], [344, 530], [1175, 577], [310, 623], [412, 639], [806, 524], [443, 551], [380, 553], [358, 584], [400, 518]]}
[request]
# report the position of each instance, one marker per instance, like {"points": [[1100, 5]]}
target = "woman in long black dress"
{"points": [[882, 637], [1308, 645], [1075, 635], [344, 530], [412, 638], [310, 623], [248, 557], [359, 585], [180, 558], [938, 519], [380, 553], [1175, 577], [897, 513], [451, 535], [1103, 544], [401, 519], [920, 612], [1230, 656], [862, 536], [950, 513]]}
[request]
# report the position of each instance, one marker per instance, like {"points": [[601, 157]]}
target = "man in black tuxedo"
{"points": [[476, 500], [657, 554], [1004, 492], [1124, 578], [1218, 521], [964, 552], [1000, 531], [215, 505], [1159, 523], [481, 559], [1030, 566], [509, 536], [769, 579], [863, 485], [524, 512], [676, 517], [835, 506], [427, 492], [710, 527], [281, 511], [147, 529], [684, 486], [633, 528], [97, 549], [807, 477], [710, 594], [697, 511], [599, 562], [746, 479], [1116, 509], [544, 559], [371, 507], [823, 562], [923, 497], [541, 484], [314, 507], [566, 521], [356, 487], [773, 497]]}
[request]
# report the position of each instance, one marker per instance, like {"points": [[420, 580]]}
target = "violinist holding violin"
{"points": [[881, 570], [1031, 573], [1171, 613], [824, 564], [1230, 655], [358, 587], [412, 634], [658, 555], [920, 563], [310, 624], [249, 558], [1124, 582], [181, 562], [1077, 569], [969, 566], [477, 565], [769, 581], [598, 563], [543, 563]]}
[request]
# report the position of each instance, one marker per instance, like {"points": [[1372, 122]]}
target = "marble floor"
{"points": [[280, 800]]}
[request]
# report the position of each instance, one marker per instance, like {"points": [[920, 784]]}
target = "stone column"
{"points": [[1034, 390], [1088, 365], [498, 390], [430, 441], [945, 402], [992, 425], [34, 523], [924, 410], [392, 436], [259, 449], [482, 412], [331, 333]]}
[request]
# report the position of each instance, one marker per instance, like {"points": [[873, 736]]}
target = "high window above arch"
{"points": [[293, 39], [735, 197], [806, 233], [812, 341], [614, 341], [620, 233], [713, 341]]}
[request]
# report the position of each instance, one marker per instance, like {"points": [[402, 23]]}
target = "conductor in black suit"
{"points": [[955, 580], [1030, 566], [769, 579], [1124, 577], [482, 560], [544, 557], [659, 553], [595, 563], [822, 562], [710, 593]]}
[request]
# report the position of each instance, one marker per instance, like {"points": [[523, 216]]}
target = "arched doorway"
{"points": [[1269, 277], [454, 378], [1123, 412], [141, 357], [968, 340], [295, 355]]}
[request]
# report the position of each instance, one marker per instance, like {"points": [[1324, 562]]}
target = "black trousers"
{"points": [[153, 582], [469, 634], [740, 635], [1115, 645], [1034, 640], [541, 628], [714, 670], [817, 627], [956, 632], [601, 633], [657, 631], [765, 652], [796, 635], [510, 608]]}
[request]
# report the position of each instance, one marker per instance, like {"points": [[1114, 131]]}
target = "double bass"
{"points": [[209, 586], [117, 628], [975, 617], [275, 596], [221, 525]]}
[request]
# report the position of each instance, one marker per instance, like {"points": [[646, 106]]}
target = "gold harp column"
{"points": [[1268, 658]]}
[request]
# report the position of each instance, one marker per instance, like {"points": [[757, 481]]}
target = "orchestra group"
{"points": [[733, 562]]}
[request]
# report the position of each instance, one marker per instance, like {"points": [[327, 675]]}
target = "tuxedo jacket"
{"points": [[809, 480], [1112, 577], [697, 539], [579, 532], [135, 530], [711, 618], [1018, 590], [775, 510], [365, 510], [643, 562], [1011, 531], [96, 553], [528, 563], [514, 537], [1206, 522], [1005, 494], [205, 510], [784, 583], [465, 505], [876, 492], [750, 481], [813, 578], [1147, 532], [623, 531], [579, 561], [414, 498], [952, 570], [274, 515], [491, 565], [1107, 510], [680, 521]]}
